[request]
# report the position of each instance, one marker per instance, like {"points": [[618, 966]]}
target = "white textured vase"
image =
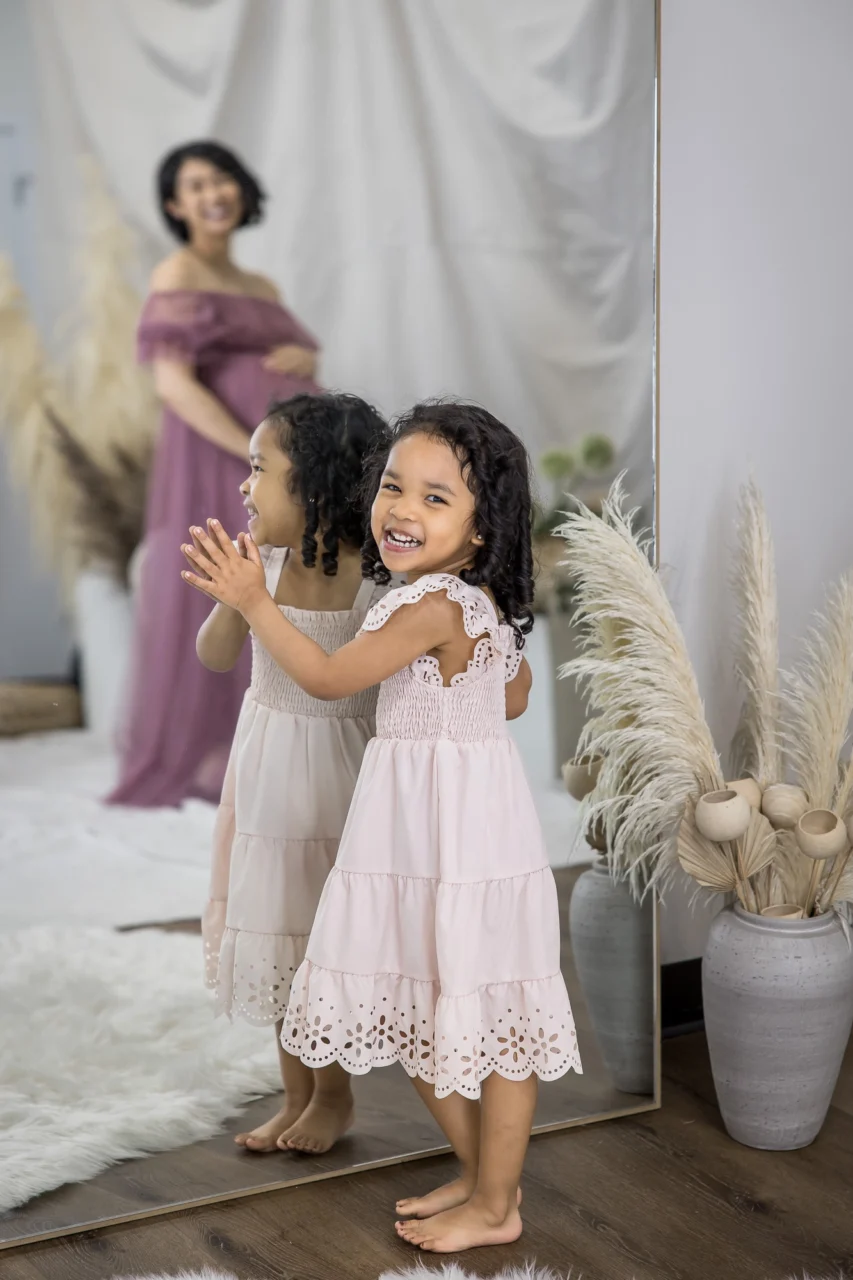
{"points": [[612, 940], [104, 624], [778, 998]]}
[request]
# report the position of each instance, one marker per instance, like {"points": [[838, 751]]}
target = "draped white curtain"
{"points": [[460, 190]]}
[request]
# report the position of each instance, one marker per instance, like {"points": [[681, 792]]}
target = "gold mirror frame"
{"points": [[639, 1108]]}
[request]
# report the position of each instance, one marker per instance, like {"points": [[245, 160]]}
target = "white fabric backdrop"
{"points": [[460, 190]]}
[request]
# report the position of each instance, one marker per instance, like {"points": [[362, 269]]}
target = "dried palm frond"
{"points": [[708, 863], [649, 725], [26, 391], [790, 871], [842, 889], [108, 513], [817, 700], [113, 397], [756, 749], [758, 847]]}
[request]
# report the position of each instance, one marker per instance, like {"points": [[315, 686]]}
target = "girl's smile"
{"points": [[423, 515], [275, 517]]}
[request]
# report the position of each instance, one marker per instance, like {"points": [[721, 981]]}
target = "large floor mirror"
{"points": [[113, 1062]]}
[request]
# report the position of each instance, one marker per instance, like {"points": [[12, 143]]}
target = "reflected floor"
{"points": [[391, 1126]]}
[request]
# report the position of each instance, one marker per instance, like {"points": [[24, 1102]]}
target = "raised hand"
{"points": [[233, 576]]}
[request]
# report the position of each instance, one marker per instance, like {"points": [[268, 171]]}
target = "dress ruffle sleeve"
{"points": [[176, 326]]}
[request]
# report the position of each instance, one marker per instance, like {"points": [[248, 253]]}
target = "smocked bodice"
{"points": [[272, 687], [416, 705]]}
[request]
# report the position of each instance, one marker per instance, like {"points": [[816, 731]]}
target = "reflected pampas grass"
{"points": [[80, 441]]}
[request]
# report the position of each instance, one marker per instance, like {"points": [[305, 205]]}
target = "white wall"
{"points": [[756, 296], [34, 638]]}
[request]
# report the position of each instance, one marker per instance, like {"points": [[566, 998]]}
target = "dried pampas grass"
{"points": [[80, 444], [648, 721], [817, 699], [756, 749], [27, 390], [113, 396]]}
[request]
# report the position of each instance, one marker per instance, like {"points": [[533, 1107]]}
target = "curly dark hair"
{"points": [[223, 159], [496, 468], [327, 439]]}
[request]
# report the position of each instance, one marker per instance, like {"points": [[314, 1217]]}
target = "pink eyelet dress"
{"points": [[436, 942], [290, 778]]}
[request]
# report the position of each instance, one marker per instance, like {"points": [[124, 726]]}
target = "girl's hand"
{"points": [[200, 564], [299, 362], [221, 571]]}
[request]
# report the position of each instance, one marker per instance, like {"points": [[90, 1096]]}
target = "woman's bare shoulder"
{"points": [[260, 286], [178, 271]]}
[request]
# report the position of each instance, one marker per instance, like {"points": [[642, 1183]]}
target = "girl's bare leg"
{"points": [[491, 1214], [298, 1081], [328, 1115], [459, 1121]]}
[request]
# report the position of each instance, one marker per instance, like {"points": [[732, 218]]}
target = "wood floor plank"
{"points": [[391, 1124], [663, 1196]]}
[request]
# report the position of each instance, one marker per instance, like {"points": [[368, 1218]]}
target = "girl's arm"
{"points": [[221, 638], [518, 691], [367, 660]]}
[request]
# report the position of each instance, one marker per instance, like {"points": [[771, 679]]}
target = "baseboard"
{"points": [[681, 998]]}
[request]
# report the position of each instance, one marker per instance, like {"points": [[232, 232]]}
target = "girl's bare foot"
{"points": [[465, 1227], [449, 1196], [322, 1123], [266, 1136]]}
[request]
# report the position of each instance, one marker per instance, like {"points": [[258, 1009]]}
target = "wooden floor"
{"points": [[392, 1125], [664, 1196]]}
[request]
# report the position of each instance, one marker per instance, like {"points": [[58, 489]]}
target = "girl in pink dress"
{"points": [[437, 938], [294, 761]]}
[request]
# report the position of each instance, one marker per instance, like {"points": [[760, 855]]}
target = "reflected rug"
{"points": [[109, 1049], [450, 1271], [67, 859]]}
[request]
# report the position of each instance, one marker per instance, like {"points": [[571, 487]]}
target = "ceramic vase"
{"points": [[778, 998], [103, 617], [612, 940]]}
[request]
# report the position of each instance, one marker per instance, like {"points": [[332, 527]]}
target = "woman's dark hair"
{"points": [[214, 153], [327, 439], [496, 468]]}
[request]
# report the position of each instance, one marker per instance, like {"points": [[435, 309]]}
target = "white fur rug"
{"points": [[109, 1049], [67, 859], [450, 1271]]}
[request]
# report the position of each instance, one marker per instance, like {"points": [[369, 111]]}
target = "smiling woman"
{"points": [[222, 347]]}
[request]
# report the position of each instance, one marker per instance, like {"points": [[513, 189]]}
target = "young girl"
{"points": [[437, 939], [295, 760]]}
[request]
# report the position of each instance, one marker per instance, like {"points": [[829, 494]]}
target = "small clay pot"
{"points": [[722, 815], [783, 911], [821, 834], [749, 789], [783, 805], [580, 775]]}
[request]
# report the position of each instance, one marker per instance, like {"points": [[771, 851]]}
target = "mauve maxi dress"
{"points": [[180, 718]]}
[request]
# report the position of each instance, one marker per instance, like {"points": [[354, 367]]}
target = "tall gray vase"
{"points": [[778, 998], [612, 941]]}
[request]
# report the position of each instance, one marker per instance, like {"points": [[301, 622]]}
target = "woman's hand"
{"points": [[299, 362], [232, 575]]}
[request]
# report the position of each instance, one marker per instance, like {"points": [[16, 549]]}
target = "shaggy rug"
{"points": [[529, 1271], [109, 1049], [65, 858], [450, 1271]]}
